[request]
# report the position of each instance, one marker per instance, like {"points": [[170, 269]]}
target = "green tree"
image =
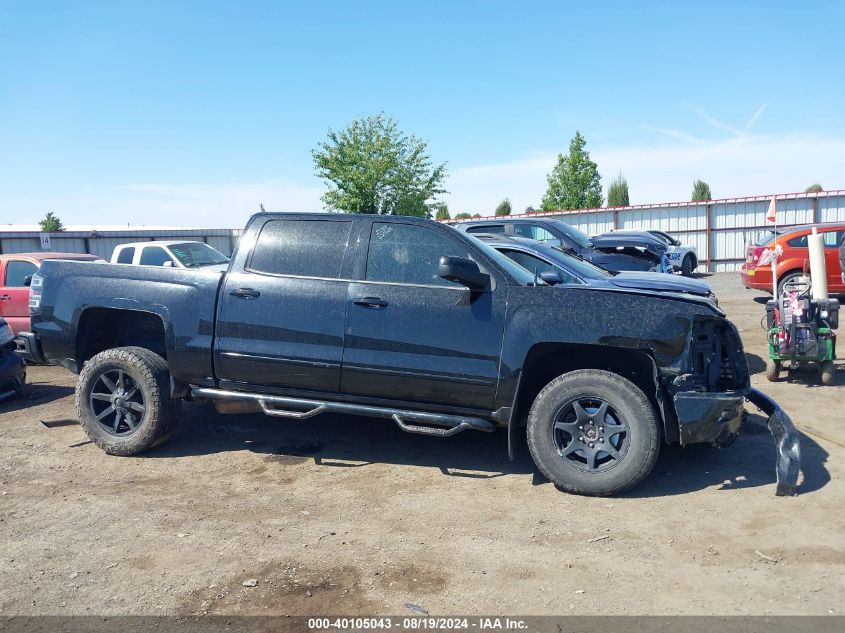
{"points": [[529, 209], [441, 211], [574, 182], [373, 167], [701, 191], [476, 216], [51, 223], [504, 208], [462, 216], [617, 192], [814, 188]]}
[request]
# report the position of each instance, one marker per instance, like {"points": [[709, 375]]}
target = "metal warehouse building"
{"points": [[719, 229], [102, 240]]}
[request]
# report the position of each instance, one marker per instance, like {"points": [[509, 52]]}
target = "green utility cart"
{"points": [[800, 331]]}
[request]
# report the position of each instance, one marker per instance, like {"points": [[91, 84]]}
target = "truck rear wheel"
{"points": [[123, 401], [592, 432]]}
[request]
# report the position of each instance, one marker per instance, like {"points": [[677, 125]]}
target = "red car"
{"points": [[15, 272], [790, 264]]}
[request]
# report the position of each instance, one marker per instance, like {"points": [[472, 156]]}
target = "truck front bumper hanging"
{"points": [[786, 439]]}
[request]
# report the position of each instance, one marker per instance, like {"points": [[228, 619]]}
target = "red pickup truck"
{"points": [[15, 272]]}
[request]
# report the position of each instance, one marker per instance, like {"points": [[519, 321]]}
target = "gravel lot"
{"points": [[343, 515]]}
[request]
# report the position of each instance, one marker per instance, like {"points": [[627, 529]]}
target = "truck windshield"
{"points": [[196, 254]]}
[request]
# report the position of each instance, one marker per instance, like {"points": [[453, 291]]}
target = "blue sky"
{"points": [[191, 113]]}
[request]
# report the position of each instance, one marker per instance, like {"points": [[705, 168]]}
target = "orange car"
{"points": [[790, 264]]}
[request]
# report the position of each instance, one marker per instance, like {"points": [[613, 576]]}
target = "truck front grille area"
{"points": [[717, 357]]}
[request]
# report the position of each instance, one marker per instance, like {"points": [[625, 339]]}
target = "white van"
{"points": [[175, 254]]}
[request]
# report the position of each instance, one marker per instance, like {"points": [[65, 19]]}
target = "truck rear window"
{"points": [[305, 248]]}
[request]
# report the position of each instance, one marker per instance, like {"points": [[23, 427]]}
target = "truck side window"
{"points": [[154, 256], [17, 271], [409, 254], [306, 248], [126, 255]]}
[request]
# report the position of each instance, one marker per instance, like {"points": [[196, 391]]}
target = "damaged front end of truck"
{"points": [[704, 372]]}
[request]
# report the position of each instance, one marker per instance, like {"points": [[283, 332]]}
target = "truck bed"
{"points": [[183, 301]]}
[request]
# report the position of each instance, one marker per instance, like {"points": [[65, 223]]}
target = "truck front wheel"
{"points": [[592, 432], [123, 400]]}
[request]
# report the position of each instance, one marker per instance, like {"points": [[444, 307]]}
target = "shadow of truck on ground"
{"points": [[340, 441]]}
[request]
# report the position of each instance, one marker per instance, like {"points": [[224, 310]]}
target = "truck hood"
{"points": [[661, 282]]}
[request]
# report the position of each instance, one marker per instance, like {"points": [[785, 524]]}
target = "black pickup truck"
{"points": [[405, 319]]}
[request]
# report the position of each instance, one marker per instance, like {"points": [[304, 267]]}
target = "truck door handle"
{"points": [[5, 297], [245, 293], [370, 302]]}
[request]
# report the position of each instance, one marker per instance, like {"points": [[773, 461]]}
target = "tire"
{"points": [[555, 426], [173, 426], [131, 397], [686, 266], [828, 372], [161, 364], [782, 281], [773, 368]]}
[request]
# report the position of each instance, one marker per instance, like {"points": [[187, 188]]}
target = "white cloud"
{"points": [[744, 165], [223, 205], [480, 189], [678, 135], [716, 123], [754, 117], [721, 125]]}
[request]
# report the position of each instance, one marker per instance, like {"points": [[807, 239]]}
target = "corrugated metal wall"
{"points": [[103, 243], [719, 229]]}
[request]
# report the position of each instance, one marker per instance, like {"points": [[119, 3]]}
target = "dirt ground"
{"points": [[343, 515]]}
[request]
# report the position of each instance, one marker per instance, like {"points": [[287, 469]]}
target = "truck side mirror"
{"points": [[463, 271], [27, 281], [551, 277]]}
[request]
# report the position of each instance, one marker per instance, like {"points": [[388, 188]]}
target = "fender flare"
{"points": [[657, 398]]}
